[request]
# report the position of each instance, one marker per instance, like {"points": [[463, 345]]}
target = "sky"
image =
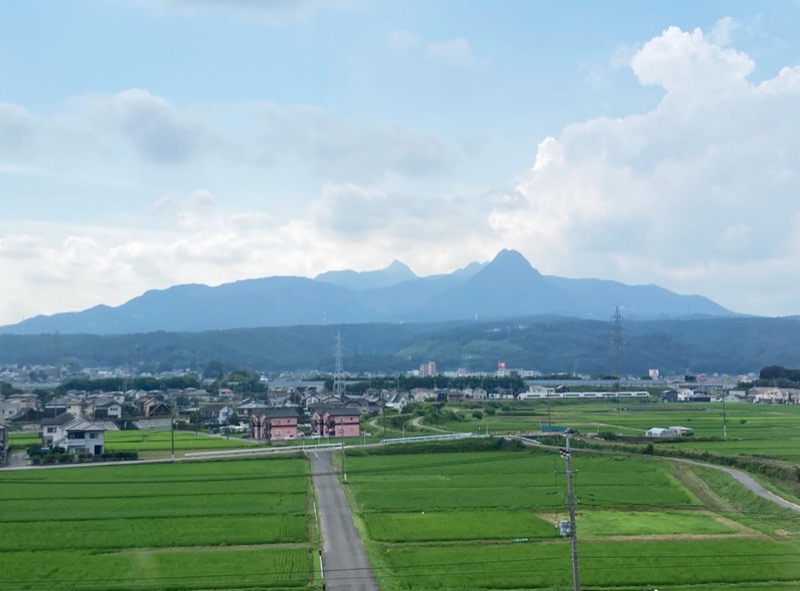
{"points": [[149, 143]]}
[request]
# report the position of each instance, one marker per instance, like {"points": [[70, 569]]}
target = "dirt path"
{"points": [[417, 422], [747, 481]]}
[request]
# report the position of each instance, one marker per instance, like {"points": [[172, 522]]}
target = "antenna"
{"points": [[338, 376]]}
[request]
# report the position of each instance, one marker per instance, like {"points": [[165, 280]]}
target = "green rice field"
{"points": [[486, 520], [201, 525], [147, 441], [752, 429]]}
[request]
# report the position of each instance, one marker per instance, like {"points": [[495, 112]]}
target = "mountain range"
{"points": [[504, 288]]}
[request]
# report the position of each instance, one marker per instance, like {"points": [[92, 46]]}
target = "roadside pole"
{"points": [[573, 534]]}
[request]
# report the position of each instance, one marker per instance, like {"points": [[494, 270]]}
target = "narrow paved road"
{"points": [[343, 556], [748, 482]]}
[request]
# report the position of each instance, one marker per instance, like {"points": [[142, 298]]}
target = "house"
{"points": [[24, 415], [423, 395], [772, 395], [336, 422], [7, 409], [278, 424], [152, 407], [455, 396], [216, 414], [397, 401], [669, 396], [75, 435], [107, 408], [251, 407], [55, 407], [476, 393], [23, 401]]}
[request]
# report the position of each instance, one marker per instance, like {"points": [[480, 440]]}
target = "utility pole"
{"points": [[618, 342], [724, 417], [573, 534], [172, 427]]}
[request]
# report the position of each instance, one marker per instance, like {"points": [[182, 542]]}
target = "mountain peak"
{"points": [[510, 261], [399, 267]]}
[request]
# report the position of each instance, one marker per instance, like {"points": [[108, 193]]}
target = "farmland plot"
{"points": [[211, 525], [486, 521]]}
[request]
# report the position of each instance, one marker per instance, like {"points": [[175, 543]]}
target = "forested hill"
{"points": [[547, 344]]}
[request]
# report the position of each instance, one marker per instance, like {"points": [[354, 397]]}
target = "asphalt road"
{"points": [[343, 557]]}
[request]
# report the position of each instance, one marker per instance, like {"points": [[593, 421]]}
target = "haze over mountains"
{"points": [[506, 287]]}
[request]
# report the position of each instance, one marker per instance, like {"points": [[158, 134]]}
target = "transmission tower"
{"points": [[618, 341], [338, 376]]}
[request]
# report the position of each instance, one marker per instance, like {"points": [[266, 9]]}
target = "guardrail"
{"points": [[420, 438], [257, 450]]}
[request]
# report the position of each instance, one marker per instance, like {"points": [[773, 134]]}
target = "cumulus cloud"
{"points": [[456, 53], [703, 183]]}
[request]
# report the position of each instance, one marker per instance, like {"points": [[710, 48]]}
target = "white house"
{"points": [[75, 435], [397, 402]]}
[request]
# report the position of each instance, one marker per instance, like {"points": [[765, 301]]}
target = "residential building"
{"points": [[107, 408], [278, 424], [336, 422], [216, 414], [73, 434]]}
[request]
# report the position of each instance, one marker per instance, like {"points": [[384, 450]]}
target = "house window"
{"points": [[278, 432], [51, 429], [92, 435]]}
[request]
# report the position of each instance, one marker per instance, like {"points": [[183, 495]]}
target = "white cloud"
{"points": [[690, 65], [721, 33], [684, 195], [456, 53]]}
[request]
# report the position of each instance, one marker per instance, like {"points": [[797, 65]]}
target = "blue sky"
{"points": [[145, 143]]}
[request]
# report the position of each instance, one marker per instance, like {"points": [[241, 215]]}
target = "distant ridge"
{"points": [[395, 273], [505, 287]]}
